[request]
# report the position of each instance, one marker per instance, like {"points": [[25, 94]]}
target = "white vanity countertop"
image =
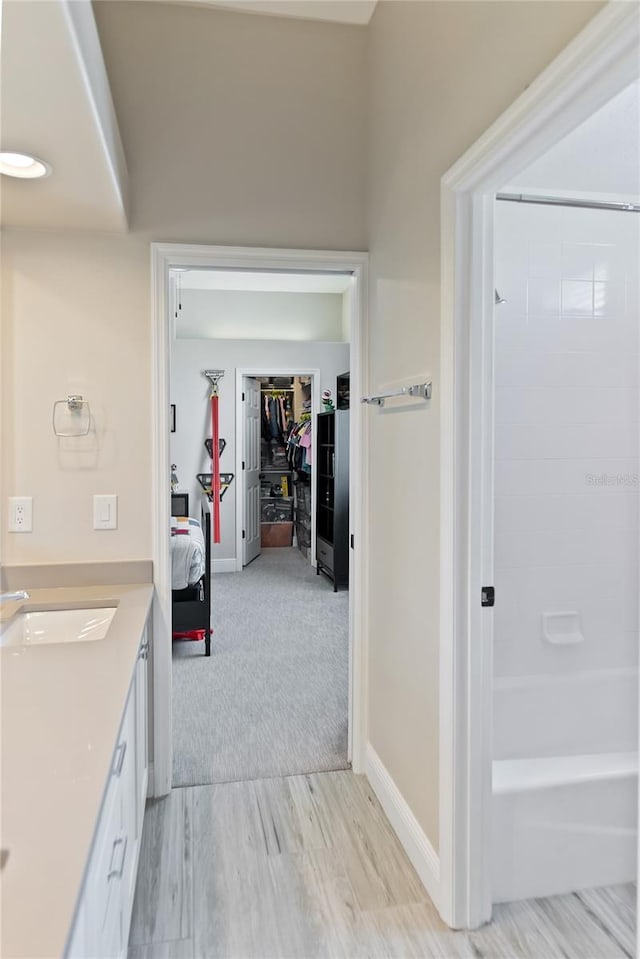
{"points": [[61, 709]]}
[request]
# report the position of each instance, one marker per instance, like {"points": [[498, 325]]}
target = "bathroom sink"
{"points": [[57, 626]]}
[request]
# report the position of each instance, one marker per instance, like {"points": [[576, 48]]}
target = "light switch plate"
{"points": [[20, 514], [105, 511]]}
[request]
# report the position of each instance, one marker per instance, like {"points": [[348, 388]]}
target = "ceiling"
{"points": [[600, 157], [56, 104], [337, 11], [263, 282]]}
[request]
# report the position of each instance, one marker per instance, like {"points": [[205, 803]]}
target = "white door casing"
{"points": [[251, 469], [164, 257]]}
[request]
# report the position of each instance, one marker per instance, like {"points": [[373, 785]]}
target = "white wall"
{"points": [[189, 391], [567, 471], [239, 315]]}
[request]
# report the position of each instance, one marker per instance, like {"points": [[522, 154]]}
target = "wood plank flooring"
{"points": [[308, 866]]}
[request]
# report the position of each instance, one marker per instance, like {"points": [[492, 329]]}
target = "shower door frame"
{"points": [[596, 65]]}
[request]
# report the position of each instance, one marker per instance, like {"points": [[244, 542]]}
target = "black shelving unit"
{"points": [[343, 391], [332, 486]]}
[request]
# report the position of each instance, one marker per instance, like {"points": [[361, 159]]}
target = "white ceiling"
{"points": [[601, 157], [56, 104], [338, 11], [261, 282]]}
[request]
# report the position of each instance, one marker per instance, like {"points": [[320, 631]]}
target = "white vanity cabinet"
{"points": [[101, 928]]}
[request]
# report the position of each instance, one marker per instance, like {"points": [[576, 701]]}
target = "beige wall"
{"points": [[75, 316], [237, 128], [440, 73]]}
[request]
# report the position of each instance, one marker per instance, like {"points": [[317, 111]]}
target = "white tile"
{"points": [[610, 300], [545, 258], [606, 262], [566, 548], [576, 714], [537, 368], [577, 297], [543, 296], [566, 441], [553, 406], [578, 260], [543, 477], [522, 654], [612, 509], [567, 333], [604, 596]]}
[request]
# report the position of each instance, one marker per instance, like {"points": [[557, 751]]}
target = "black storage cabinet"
{"points": [[332, 479]]}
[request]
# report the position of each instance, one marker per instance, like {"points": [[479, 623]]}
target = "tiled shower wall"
{"points": [[566, 441]]}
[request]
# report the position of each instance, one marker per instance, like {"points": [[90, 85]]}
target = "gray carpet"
{"points": [[272, 699]]}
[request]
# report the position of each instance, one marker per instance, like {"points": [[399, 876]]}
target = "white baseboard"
{"points": [[423, 856], [224, 565]]}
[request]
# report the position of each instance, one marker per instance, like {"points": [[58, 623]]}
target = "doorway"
{"points": [[352, 268], [595, 68], [267, 462]]}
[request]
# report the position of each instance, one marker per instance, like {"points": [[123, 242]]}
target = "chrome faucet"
{"points": [[13, 597]]}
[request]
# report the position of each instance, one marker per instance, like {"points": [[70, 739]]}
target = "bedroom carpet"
{"points": [[272, 698]]}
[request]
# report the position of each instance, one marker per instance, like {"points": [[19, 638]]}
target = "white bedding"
{"points": [[187, 552]]}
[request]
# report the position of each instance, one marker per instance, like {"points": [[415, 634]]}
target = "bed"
{"points": [[191, 576]]}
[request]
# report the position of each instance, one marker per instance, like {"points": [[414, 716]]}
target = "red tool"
{"points": [[214, 376]]}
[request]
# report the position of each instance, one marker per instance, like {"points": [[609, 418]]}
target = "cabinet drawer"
{"points": [[325, 553], [129, 791], [110, 870]]}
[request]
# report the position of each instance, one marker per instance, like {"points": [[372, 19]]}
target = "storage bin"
{"points": [[276, 534]]}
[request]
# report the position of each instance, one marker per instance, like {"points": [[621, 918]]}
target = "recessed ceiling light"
{"points": [[23, 165]]}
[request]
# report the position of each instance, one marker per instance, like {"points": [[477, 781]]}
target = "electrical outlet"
{"points": [[20, 514]]}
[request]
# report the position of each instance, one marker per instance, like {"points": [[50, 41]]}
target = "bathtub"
{"points": [[563, 823], [565, 782]]}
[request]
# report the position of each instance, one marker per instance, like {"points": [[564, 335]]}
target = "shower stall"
{"points": [[565, 701]]}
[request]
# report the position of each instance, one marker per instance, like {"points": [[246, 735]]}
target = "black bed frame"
{"points": [[191, 607]]}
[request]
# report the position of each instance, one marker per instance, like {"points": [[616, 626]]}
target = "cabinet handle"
{"points": [[121, 750], [144, 650], [118, 873]]}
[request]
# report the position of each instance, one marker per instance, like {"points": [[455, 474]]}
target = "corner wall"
{"points": [[440, 73]]}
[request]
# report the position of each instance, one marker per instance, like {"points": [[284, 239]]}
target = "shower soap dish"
{"points": [[562, 629], [71, 417]]}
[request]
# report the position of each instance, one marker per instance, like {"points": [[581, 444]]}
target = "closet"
{"points": [[285, 463]]}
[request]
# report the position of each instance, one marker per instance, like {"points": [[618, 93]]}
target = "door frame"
{"points": [[315, 409], [164, 257], [596, 65]]}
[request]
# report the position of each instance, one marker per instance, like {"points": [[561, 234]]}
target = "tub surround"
{"points": [[62, 706]]}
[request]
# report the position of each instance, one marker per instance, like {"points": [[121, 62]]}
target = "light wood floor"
{"points": [[308, 866]]}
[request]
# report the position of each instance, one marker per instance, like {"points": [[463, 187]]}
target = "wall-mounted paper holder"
{"points": [[72, 417]]}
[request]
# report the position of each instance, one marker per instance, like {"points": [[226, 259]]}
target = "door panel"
{"points": [[251, 470]]}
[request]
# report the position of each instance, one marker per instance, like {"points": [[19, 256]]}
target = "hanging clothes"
{"points": [[299, 445]]}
